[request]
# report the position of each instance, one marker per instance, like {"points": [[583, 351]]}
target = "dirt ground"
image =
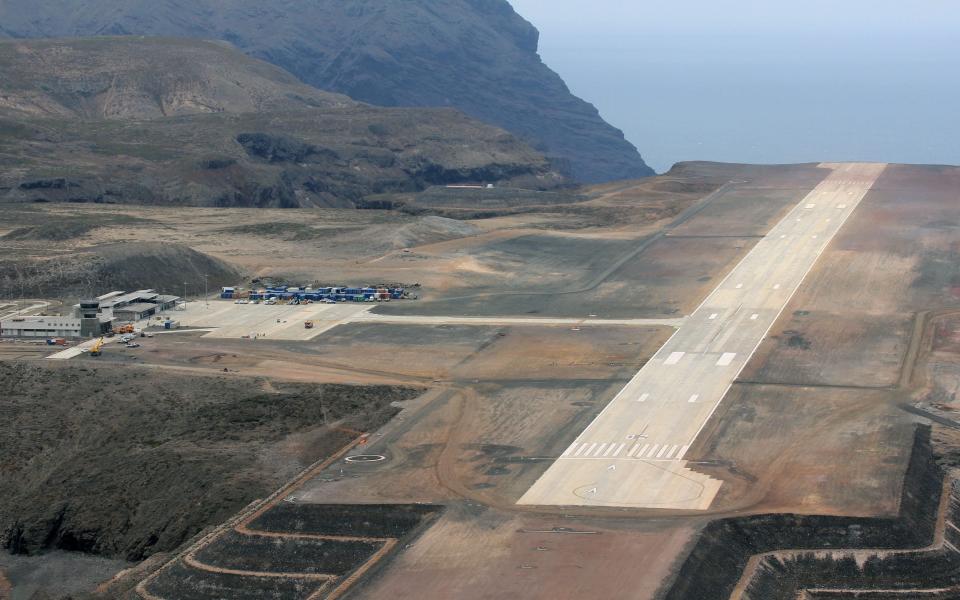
{"points": [[54, 575], [814, 425]]}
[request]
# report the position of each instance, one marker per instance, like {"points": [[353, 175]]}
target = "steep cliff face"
{"points": [[175, 121], [478, 56]]}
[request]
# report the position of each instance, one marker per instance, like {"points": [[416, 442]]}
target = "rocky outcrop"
{"points": [[478, 56]]}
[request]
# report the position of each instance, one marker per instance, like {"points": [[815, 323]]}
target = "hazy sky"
{"points": [[769, 81]]}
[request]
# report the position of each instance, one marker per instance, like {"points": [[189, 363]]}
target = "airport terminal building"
{"points": [[91, 317]]}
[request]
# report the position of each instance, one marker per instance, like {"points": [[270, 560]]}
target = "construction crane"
{"points": [[97, 348]]}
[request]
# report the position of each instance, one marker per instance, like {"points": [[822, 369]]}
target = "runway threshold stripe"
{"points": [[726, 358], [610, 450], [683, 452], [619, 449], [580, 451], [600, 450], [662, 451], [633, 450], [643, 451], [653, 450], [570, 449], [674, 358]]}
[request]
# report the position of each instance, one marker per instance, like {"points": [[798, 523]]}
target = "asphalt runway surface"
{"points": [[633, 453]]}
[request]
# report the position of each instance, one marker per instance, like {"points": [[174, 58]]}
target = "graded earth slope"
{"points": [[184, 122], [478, 56]]}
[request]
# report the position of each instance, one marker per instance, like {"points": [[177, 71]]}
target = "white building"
{"points": [[40, 327], [123, 306]]}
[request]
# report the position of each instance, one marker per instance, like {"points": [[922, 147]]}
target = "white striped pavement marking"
{"points": [[610, 449], [726, 358], [662, 451], [694, 398], [683, 452], [754, 317], [739, 286], [643, 397], [580, 451], [619, 449], [776, 287], [643, 451], [570, 449], [714, 316], [633, 450], [600, 449], [653, 450], [674, 358], [672, 451]]}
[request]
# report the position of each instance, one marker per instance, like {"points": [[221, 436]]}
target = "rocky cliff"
{"points": [[478, 56], [190, 122]]}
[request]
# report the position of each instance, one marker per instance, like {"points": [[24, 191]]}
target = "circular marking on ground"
{"points": [[365, 458]]}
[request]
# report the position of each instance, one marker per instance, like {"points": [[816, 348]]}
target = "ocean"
{"points": [[783, 98]]}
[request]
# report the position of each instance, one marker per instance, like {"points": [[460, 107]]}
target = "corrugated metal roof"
{"points": [[136, 307]]}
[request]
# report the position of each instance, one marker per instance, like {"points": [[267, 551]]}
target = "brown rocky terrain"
{"points": [[122, 266], [118, 120], [146, 79], [477, 56]]}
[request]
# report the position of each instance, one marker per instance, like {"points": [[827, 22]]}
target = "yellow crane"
{"points": [[97, 348]]}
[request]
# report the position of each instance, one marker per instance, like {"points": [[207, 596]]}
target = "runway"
{"points": [[503, 321], [632, 454]]}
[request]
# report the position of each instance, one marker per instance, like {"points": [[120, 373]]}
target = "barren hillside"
{"points": [[477, 56], [183, 122]]}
